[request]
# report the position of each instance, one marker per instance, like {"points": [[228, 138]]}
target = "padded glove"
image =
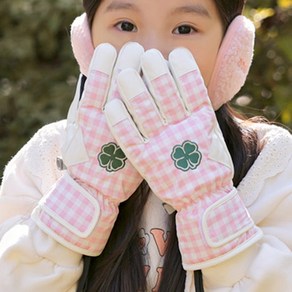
{"points": [[81, 208], [168, 130]]}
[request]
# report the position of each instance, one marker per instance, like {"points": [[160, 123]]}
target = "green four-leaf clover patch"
{"points": [[111, 157], [186, 156]]}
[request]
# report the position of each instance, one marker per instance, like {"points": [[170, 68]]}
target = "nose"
{"points": [[154, 41]]}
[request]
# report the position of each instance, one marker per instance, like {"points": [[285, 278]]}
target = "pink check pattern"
{"points": [[69, 214], [96, 133], [167, 98], [212, 221], [82, 207]]}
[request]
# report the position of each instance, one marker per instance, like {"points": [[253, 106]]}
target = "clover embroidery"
{"points": [[186, 156], [111, 157]]}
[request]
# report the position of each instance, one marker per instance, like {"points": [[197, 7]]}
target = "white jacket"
{"points": [[32, 261]]}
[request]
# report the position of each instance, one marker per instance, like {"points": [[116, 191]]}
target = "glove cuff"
{"points": [[76, 218], [216, 231]]}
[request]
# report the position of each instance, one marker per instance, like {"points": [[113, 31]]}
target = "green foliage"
{"points": [[268, 88], [38, 72]]}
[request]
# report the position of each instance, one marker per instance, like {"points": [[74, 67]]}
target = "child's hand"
{"points": [[172, 137], [83, 205]]}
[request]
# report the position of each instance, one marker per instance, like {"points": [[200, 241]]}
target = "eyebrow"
{"points": [[192, 9], [120, 6]]}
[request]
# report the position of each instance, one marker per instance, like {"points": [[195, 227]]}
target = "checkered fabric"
{"points": [[78, 219], [82, 207], [186, 162]]}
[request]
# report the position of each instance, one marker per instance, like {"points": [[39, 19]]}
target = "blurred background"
{"points": [[38, 72]]}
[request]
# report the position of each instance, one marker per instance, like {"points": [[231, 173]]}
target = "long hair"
{"points": [[120, 266]]}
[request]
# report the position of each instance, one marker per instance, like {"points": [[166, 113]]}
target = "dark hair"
{"points": [[120, 266], [228, 10]]}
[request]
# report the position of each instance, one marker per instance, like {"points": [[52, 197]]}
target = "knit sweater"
{"points": [[32, 261]]}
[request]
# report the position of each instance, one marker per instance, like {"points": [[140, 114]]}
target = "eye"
{"points": [[184, 29], [126, 26]]}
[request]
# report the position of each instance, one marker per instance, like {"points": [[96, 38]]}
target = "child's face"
{"points": [[163, 25]]}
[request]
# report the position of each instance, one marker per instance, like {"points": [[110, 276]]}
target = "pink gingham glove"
{"points": [[81, 208], [172, 137]]}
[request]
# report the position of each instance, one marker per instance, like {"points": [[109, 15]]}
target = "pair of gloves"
{"points": [[141, 117]]}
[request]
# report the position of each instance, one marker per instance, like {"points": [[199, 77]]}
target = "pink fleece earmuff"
{"points": [[81, 42], [232, 64], [233, 61]]}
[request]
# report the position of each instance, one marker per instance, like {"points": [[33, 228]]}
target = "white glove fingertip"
{"points": [[181, 62], [189, 80], [130, 84], [115, 112], [153, 64], [130, 56], [103, 59]]}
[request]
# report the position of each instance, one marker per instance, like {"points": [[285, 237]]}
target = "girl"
{"points": [[93, 223]]}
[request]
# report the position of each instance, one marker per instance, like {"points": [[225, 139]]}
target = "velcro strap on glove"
{"points": [[214, 230], [70, 214], [71, 206], [225, 220]]}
